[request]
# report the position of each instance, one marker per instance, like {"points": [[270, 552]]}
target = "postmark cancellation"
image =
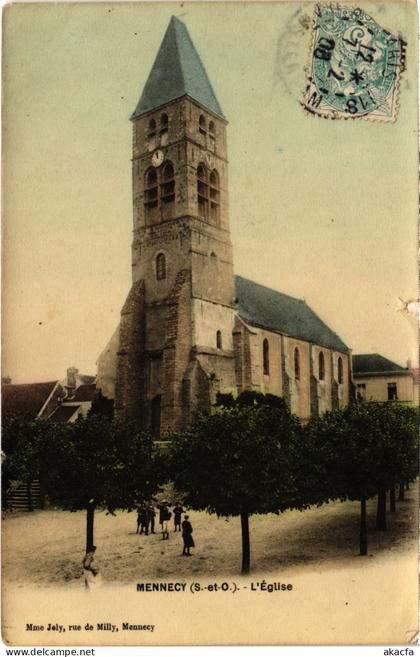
{"points": [[355, 66]]}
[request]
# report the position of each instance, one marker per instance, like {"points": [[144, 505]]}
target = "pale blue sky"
{"points": [[323, 210]]}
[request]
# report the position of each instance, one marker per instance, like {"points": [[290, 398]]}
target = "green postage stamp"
{"points": [[355, 66]]}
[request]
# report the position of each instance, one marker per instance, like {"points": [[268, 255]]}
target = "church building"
{"points": [[189, 327]]}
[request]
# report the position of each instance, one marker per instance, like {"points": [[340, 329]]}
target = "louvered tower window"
{"points": [[150, 189], [202, 192], [167, 187], [214, 197]]}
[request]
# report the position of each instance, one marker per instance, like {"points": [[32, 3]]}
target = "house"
{"points": [[377, 378], [57, 401], [60, 401]]}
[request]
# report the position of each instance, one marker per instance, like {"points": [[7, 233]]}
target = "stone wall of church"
{"points": [[207, 319], [130, 377], [176, 356], [299, 386], [299, 382], [107, 366]]}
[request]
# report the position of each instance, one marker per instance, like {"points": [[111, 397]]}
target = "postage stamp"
{"points": [[355, 66]]}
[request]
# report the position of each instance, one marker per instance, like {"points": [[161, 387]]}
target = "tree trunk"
{"points": [[401, 492], [392, 506], [407, 486], [381, 511], [245, 543], [89, 527], [363, 529]]}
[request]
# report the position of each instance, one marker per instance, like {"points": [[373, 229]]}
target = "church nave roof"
{"points": [[272, 310]]}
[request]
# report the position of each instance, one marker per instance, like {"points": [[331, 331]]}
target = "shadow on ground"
{"points": [[46, 547]]}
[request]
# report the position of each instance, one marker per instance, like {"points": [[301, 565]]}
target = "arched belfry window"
{"points": [[321, 366], [340, 369], [160, 267], [212, 135], [219, 339], [202, 125], [297, 364], [214, 196], [202, 191], [167, 186], [152, 128], [266, 357], [150, 190], [163, 131]]}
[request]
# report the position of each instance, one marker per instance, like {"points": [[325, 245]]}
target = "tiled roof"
{"points": [[85, 393], [260, 306], [26, 399], [86, 378], [176, 72], [366, 363], [63, 413]]}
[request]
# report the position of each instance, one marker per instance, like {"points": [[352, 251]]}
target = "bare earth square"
{"points": [[46, 547]]}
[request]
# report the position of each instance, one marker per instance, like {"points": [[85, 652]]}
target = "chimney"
{"points": [[71, 377]]}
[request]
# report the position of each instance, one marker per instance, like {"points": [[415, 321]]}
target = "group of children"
{"points": [[146, 522]]}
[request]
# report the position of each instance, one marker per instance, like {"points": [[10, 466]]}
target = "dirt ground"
{"points": [[337, 597], [46, 547]]}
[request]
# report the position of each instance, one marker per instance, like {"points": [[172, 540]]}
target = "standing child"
{"points": [[178, 511], [187, 531], [166, 516]]}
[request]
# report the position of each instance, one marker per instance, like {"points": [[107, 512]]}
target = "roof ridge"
{"points": [[383, 359], [173, 22], [34, 383]]}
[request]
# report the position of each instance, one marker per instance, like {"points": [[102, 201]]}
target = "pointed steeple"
{"points": [[177, 71]]}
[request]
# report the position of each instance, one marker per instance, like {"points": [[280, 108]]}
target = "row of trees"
{"points": [[252, 456]]}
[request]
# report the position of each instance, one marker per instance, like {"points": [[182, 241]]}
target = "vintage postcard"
{"points": [[210, 323]]}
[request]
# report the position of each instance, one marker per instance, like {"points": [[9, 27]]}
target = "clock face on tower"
{"points": [[157, 158]]}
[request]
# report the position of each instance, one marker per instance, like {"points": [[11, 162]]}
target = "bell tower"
{"points": [[176, 328]]}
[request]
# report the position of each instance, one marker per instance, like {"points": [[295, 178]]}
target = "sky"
{"points": [[319, 209]]}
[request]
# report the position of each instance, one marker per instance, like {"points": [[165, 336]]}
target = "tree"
{"points": [[363, 451], [95, 462], [344, 442], [405, 422], [239, 461], [102, 405]]}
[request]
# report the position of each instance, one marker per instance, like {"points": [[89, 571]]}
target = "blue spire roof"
{"points": [[177, 71]]}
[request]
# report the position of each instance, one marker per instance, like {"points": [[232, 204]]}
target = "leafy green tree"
{"points": [[343, 445], [102, 405], [405, 422], [360, 452], [240, 461], [98, 463]]}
